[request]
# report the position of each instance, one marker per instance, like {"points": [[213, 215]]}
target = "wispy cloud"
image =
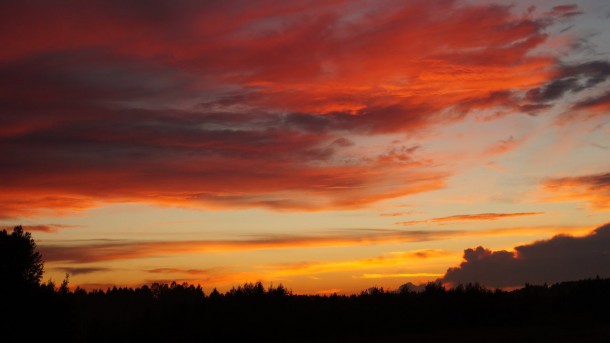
{"points": [[596, 105], [108, 250], [469, 217], [82, 270], [594, 189], [49, 227], [399, 214], [104, 250], [505, 145]]}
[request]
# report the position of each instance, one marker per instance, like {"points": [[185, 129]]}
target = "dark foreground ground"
{"points": [[567, 312]]}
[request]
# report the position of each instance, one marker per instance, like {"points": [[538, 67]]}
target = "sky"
{"points": [[329, 146]]}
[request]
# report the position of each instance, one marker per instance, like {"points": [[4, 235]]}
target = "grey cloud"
{"points": [[81, 270], [560, 258], [592, 102], [571, 78]]}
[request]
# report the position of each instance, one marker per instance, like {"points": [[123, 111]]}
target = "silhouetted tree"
{"points": [[180, 312], [215, 294], [279, 291], [21, 264], [64, 289]]}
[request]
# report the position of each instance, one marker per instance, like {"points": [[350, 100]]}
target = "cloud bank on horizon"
{"points": [[561, 258]]}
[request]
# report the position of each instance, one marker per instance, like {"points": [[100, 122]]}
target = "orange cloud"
{"points": [[19, 203], [595, 189], [110, 250], [398, 214], [466, 217], [48, 228], [105, 250]]}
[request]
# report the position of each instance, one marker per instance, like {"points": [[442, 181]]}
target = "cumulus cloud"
{"points": [[560, 258]]}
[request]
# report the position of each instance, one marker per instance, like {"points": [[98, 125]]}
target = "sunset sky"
{"points": [[328, 145]]}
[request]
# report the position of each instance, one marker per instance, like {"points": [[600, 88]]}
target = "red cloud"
{"points": [[48, 228], [242, 104]]}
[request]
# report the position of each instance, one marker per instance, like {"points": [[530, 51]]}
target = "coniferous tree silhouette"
{"points": [[21, 265], [181, 312]]}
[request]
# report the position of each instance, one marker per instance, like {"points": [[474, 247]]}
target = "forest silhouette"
{"points": [[575, 311]]}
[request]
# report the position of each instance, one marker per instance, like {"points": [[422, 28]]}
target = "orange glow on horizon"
{"points": [[328, 145]]}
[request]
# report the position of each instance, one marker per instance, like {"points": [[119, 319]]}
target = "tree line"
{"points": [[31, 310]]}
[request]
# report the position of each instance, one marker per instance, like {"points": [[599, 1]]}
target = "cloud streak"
{"points": [[594, 189], [471, 217], [107, 250], [48, 227], [89, 251], [82, 270], [596, 105]]}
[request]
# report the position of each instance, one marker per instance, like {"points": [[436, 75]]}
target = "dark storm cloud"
{"points": [[558, 259]]}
